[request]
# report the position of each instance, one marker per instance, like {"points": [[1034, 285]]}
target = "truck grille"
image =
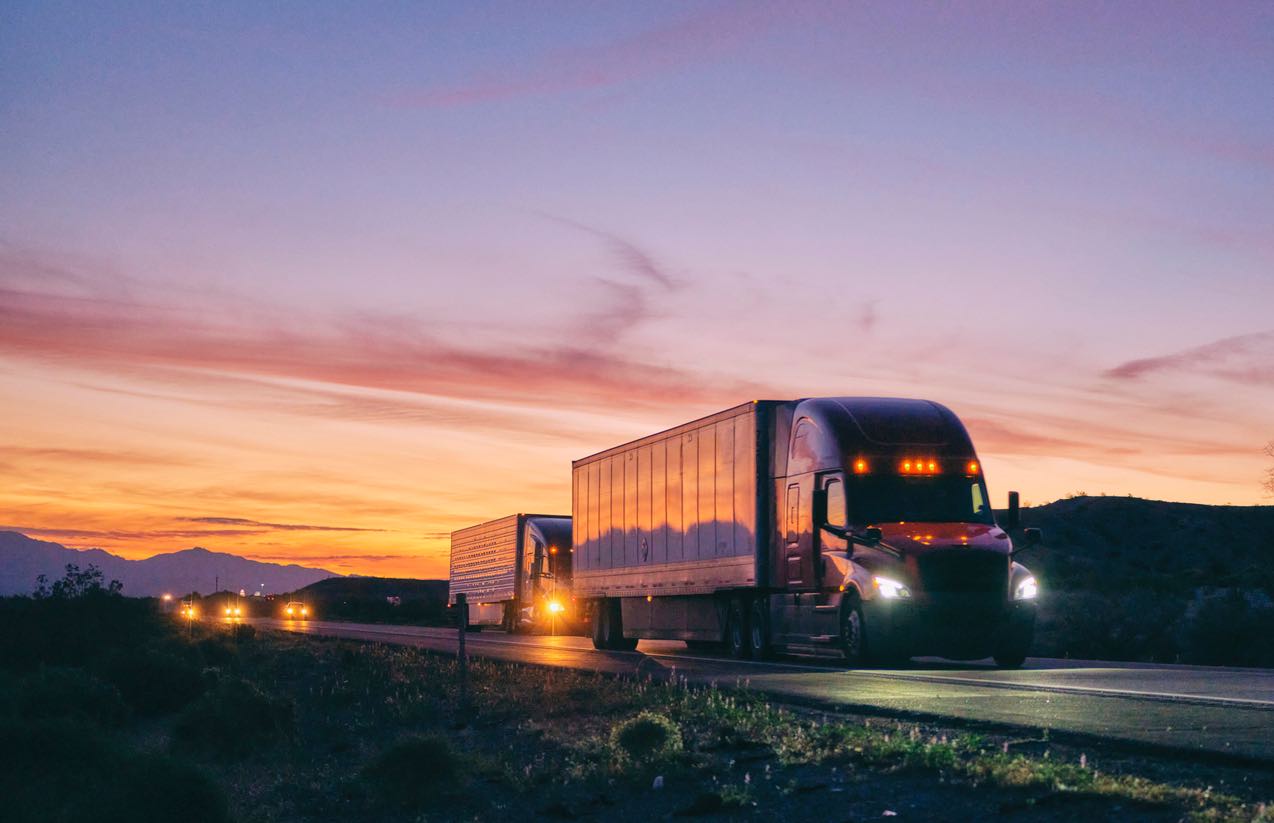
{"points": [[964, 573]]}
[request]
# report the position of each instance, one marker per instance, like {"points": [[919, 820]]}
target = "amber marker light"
{"points": [[972, 468], [861, 467]]}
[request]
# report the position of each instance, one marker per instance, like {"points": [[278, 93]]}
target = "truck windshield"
{"points": [[882, 499]]}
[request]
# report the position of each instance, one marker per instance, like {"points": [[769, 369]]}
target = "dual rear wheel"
{"points": [[748, 629], [608, 628]]}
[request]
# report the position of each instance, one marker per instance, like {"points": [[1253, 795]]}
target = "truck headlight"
{"points": [[555, 606], [1026, 590], [891, 589]]}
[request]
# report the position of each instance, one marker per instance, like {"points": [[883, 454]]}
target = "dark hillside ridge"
{"points": [[367, 600], [23, 559], [1107, 544]]}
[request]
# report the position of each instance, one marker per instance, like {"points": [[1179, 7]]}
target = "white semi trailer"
{"points": [[515, 573], [857, 525]]}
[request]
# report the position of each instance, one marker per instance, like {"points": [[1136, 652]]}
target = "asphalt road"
{"points": [[1194, 708]]}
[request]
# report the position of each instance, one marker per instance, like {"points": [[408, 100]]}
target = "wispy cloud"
{"points": [[285, 527], [1246, 358], [153, 334], [698, 38], [103, 456], [130, 535], [635, 259]]}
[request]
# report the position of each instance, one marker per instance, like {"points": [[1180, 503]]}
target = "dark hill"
{"points": [[1131, 579], [1111, 544], [22, 559], [368, 599]]}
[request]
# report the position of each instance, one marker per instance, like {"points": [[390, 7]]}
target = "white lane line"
{"points": [[970, 682]]}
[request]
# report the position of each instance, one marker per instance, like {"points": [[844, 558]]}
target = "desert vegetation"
{"points": [[262, 726]]}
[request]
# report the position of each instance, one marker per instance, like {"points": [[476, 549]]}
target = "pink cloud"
{"points": [[698, 38], [1246, 358], [156, 336]]}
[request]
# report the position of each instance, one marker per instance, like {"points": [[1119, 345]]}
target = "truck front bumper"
{"points": [[956, 630]]}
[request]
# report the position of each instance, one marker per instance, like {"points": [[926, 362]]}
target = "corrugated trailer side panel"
{"points": [[673, 513], [484, 560]]}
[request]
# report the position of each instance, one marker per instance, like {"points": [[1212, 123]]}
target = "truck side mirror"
{"points": [[1014, 517], [870, 536], [1030, 537]]}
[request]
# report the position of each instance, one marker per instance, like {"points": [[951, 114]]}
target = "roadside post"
{"points": [[462, 624]]}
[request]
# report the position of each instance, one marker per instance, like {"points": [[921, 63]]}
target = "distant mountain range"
{"points": [[23, 559]]}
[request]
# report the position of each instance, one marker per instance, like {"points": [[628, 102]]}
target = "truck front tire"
{"points": [[736, 631], [853, 637]]}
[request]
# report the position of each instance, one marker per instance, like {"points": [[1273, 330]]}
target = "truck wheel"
{"points": [[1011, 651], [615, 639], [1013, 659], [736, 631], [853, 638], [759, 629], [599, 625]]}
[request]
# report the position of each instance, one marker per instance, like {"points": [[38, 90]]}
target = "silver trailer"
{"points": [[857, 525], [515, 572]]}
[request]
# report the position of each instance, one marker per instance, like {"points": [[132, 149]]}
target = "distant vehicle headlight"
{"points": [[304, 611], [556, 606], [1026, 590], [891, 589], [227, 611], [238, 610], [289, 610]]}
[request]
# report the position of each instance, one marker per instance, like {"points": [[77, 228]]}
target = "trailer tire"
{"points": [[615, 625], [599, 625], [759, 629], [853, 636], [736, 631]]}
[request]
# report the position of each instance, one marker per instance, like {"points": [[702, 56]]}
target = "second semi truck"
{"points": [[857, 525], [515, 573]]}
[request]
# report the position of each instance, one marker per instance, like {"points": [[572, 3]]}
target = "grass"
{"points": [[417, 771], [233, 719], [285, 727]]}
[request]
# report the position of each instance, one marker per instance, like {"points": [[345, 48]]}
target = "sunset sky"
{"points": [[319, 283]]}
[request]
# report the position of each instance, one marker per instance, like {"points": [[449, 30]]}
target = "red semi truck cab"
{"points": [[857, 525]]}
